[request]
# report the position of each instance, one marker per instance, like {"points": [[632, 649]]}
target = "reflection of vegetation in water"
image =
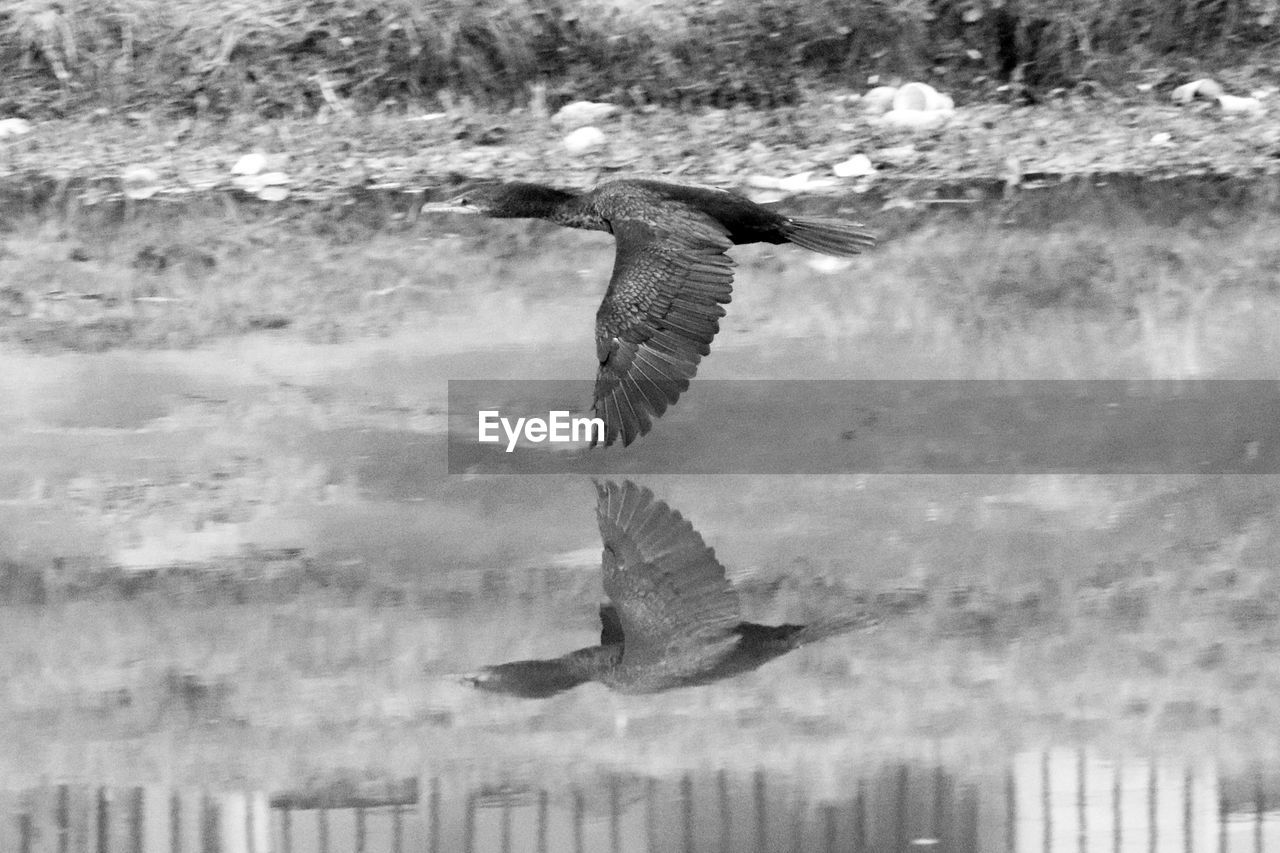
{"points": [[1133, 616], [1060, 798]]}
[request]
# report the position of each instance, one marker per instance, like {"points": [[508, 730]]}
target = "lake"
{"points": [[248, 547]]}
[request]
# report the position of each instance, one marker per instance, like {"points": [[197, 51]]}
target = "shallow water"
{"points": [[239, 583], [1060, 799]]}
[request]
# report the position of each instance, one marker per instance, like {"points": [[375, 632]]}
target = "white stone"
{"points": [[14, 127], [140, 182], [855, 167], [584, 139], [921, 96], [582, 113], [250, 164], [879, 100], [916, 119], [1234, 104], [1202, 88]]}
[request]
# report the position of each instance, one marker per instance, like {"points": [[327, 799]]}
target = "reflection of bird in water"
{"points": [[670, 276], [672, 619]]}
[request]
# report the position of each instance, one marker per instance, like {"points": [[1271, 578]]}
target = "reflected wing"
{"points": [[610, 626], [667, 587], [663, 306]]}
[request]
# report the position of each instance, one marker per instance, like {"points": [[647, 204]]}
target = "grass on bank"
{"points": [[275, 57], [1086, 299]]}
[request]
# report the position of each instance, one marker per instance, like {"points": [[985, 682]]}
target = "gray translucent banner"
{"points": [[887, 426]]}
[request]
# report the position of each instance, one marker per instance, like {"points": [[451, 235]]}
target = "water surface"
{"points": [[239, 584]]}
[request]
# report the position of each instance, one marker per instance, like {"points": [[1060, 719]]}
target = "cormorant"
{"points": [[670, 276], [672, 619]]}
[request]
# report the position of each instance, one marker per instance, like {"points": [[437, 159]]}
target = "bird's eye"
{"points": [[464, 201]]}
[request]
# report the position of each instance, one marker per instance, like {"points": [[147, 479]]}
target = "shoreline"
{"points": [[980, 151]]}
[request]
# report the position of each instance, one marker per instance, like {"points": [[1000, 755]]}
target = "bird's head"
{"points": [[481, 198], [506, 200]]}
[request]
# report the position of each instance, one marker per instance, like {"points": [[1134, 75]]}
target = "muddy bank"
{"points": [[984, 151]]}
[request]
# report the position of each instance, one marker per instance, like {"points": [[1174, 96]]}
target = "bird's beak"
{"points": [[451, 206], [473, 679]]}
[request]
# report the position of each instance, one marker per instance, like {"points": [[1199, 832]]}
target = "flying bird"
{"points": [[672, 619], [671, 276]]}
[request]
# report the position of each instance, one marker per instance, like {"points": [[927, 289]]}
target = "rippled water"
{"points": [[239, 586]]}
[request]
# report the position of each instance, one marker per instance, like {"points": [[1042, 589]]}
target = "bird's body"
{"points": [[671, 276], [673, 619]]}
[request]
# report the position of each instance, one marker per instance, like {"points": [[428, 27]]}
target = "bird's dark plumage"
{"points": [[671, 276], [673, 619]]}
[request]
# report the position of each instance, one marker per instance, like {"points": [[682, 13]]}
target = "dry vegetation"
{"points": [[275, 57], [1118, 295]]}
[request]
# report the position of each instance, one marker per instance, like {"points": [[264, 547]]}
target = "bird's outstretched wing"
{"points": [[663, 306], [668, 590]]}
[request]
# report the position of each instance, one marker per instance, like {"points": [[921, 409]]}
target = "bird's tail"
{"points": [[831, 626], [784, 637], [828, 236]]}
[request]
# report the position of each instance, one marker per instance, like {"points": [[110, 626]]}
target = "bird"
{"points": [[671, 276], [672, 619]]}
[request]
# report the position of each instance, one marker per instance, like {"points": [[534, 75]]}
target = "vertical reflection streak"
{"points": [[579, 817], [686, 804], [1082, 803], [544, 809], [761, 809], [1046, 801], [726, 814], [1011, 812]]}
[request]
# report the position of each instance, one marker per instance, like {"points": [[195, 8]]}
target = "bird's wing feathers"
{"points": [[667, 587], [660, 313]]}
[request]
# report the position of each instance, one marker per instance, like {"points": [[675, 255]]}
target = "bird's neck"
{"points": [[589, 663], [563, 207], [535, 201]]}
